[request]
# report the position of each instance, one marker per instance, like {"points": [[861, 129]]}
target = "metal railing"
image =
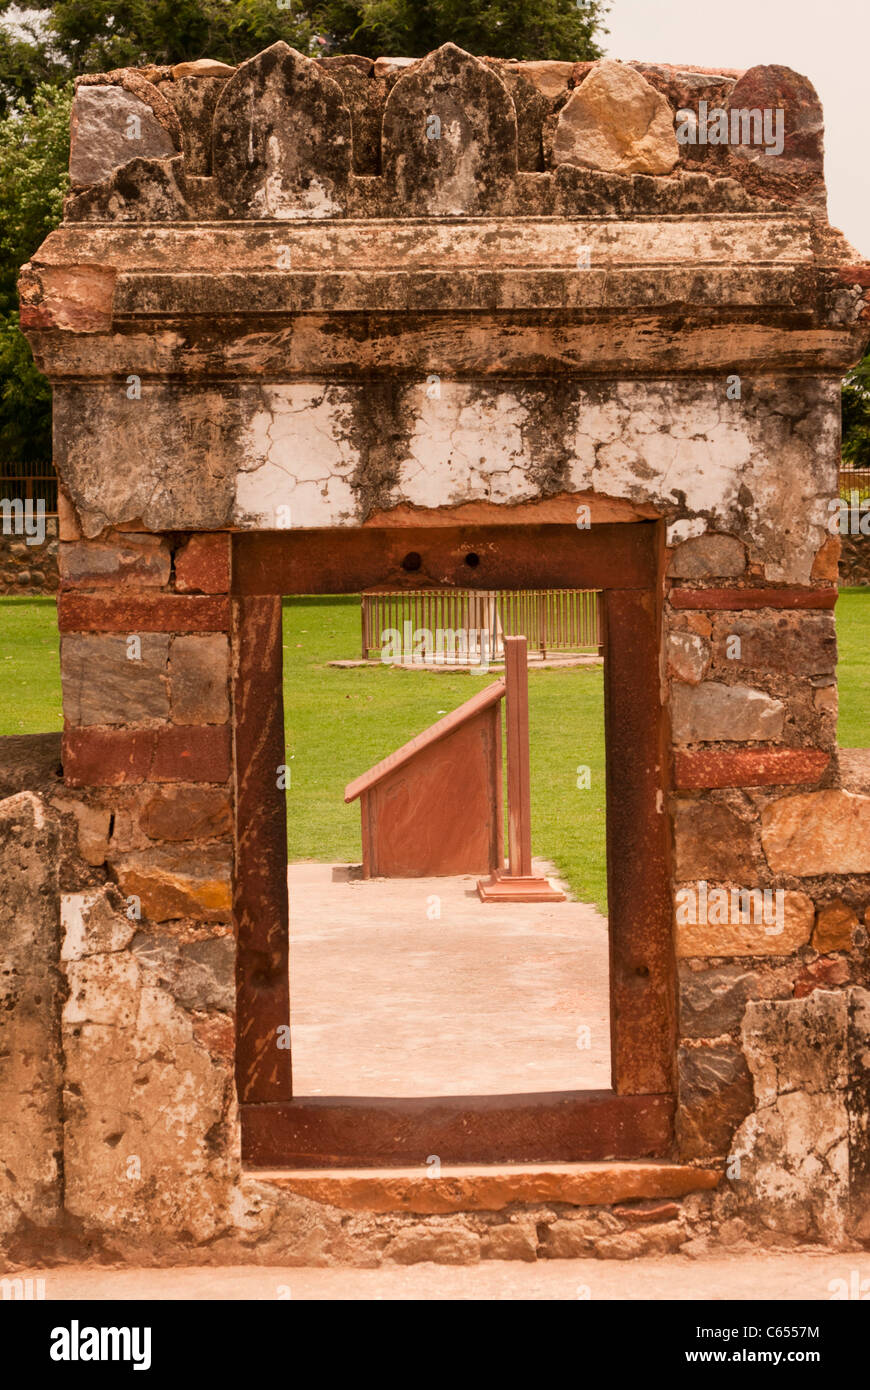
{"points": [[553, 620], [29, 484], [855, 480]]}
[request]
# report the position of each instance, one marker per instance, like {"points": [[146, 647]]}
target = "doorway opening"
{"points": [[545, 1119], [405, 983]]}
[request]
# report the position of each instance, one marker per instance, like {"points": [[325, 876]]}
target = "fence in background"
{"points": [[855, 480], [29, 483], [553, 620]]}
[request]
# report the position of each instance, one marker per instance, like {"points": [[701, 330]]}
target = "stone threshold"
{"points": [[488, 1188]]}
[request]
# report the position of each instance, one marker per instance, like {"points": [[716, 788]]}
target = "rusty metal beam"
{"points": [[476, 557], [548, 1127], [260, 905], [642, 967]]}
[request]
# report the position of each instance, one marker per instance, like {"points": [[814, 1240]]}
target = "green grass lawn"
{"points": [[853, 667], [340, 722], [29, 667]]}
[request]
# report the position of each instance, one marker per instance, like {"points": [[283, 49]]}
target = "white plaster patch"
{"points": [[73, 907], [103, 989], [466, 445], [685, 528], [91, 926], [763, 473], [296, 461]]}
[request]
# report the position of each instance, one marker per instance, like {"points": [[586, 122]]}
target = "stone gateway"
{"points": [[260, 273]]}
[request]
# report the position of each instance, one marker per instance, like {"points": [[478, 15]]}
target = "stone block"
{"points": [[93, 925], [128, 560], [110, 126], [570, 1238], [711, 841], [797, 1045], [510, 1241], [835, 924], [29, 762], [768, 767], [441, 1245], [797, 644], [745, 599], [826, 701], [713, 712], [618, 122], [191, 754], [177, 883], [102, 685], [824, 832], [793, 1150], [828, 972], [643, 1213], [715, 1095], [68, 527], [201, 67], [148, 1138], [93, 824], [459, 165], [655, 1240], [713, 999], [114, 757], [203, 563], [734, 924], [295, 159], [199, 672], [708, 557], [391, 67], [798, 168], [200, 975], [187, 813], [151, 613], [103, 990], [194, 99], [688, 657], [550, 77], [826, 565]]}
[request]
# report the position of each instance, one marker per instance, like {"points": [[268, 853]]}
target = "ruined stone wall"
{"points": [[761, 801], [120, 1130], [245, 331], [26, 568]]}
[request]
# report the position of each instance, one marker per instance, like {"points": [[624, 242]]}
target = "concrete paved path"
{"points": [[388, 998], [741, 1275]]}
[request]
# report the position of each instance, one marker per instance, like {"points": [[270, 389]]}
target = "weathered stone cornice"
{"points": [[688, 294]]}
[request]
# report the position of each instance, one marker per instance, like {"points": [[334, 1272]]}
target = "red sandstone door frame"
{"points": [[635, 1118]]}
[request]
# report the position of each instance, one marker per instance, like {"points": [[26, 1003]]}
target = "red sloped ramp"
{"points": [[434, 806]]}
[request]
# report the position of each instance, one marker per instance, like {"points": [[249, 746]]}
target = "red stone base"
{"points": [[502, 888]]}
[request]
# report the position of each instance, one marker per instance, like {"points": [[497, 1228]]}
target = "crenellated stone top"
{"points": [[287, 137]]}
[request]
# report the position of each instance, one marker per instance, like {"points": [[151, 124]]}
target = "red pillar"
{"points": [[518, 884]]}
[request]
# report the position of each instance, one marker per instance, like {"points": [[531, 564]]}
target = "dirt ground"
{"points": [[414, 987], [805, 1274]]}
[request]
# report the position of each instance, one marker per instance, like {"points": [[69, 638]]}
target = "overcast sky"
{"points": [[829, 43]]}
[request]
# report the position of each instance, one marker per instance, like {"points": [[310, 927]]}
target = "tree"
{"points": [[34, 153], [856, 415], [560, 29], [94, 35]]}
